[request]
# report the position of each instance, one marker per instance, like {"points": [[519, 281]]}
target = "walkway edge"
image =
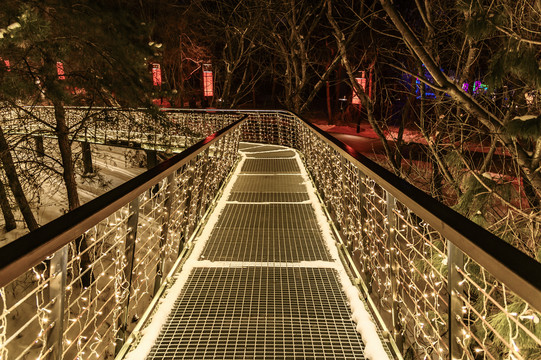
{"points": [[374, 349], [151, 332]]}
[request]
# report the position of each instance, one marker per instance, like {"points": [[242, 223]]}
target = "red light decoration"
{"points": [[362, 83], [6, 63], [208, 83], [156, 74], [60, 70], [370, 84]]}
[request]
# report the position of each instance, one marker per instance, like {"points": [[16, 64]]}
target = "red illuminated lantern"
{"points": [[156, 74], [362, 83], [208, 82], [60, 70], [6, 63]]}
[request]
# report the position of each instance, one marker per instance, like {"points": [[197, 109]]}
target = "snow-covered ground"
{"points": [[112, 166]]}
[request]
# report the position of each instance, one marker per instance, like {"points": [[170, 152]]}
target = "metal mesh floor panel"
{"points": [[258, 148], [245, 145], [268, 216], [260, 313], [256, 245], [270, 166], [269, 197], [272, 154], [269, 183]]}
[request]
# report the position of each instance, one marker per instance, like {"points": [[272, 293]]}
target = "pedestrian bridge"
{"points": [[267, 239]]}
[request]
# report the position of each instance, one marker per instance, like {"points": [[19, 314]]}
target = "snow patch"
{"points": [[242, 264], [526, 117], [269, 202], [374, 349]]}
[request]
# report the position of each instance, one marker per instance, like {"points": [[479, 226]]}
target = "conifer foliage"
{"points": [[62, 53]]}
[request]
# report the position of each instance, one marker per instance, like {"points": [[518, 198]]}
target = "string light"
{"points": [[358, 203]]}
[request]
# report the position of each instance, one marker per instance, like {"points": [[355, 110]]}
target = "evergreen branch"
{"points": [[491, 191]]}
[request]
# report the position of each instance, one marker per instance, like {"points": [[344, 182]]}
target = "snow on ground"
{"points": [[366, 131], [113, 166]]}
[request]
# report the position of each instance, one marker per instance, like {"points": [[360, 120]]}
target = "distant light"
{"points": [[362, 83], [60, 70], [156, 74], [208, 83], [6, 62]]}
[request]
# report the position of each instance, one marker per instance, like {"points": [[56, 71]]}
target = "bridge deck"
{"points": [[263, 281]]}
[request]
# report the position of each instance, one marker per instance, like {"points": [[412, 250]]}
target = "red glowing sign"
{"points": [[60, 70], [6, 63], [362, 83], [208, 84], [156, 74]]}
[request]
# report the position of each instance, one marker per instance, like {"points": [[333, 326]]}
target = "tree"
{"points": [[72, 53], [489, 119], [232, 35]]}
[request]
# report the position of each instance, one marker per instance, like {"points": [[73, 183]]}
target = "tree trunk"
{"points": [[9, 219], [15, 184], [329, 108], [64, 144], [366, 102], [87, 158]]}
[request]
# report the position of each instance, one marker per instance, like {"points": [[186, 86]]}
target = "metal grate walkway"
{"points": [[263, 284]]}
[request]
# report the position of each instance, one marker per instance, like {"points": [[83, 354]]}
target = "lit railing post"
{"points": [[362, 238], [169, 193], [201, 206], [455, 260], [185, 206], [393, 270], [346, 220], [57, 293], [129, 251]]}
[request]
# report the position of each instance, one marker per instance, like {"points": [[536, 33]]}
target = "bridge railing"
{"points": [[443, 286], [150, 130], [76, 287]]}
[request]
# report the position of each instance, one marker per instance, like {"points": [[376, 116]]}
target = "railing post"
{"points": [[57, 294], [185, 206], [361, 244], [169, 192], [129, 251], [202, 201], [344, 201], [455, 260], [393, 270]]}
